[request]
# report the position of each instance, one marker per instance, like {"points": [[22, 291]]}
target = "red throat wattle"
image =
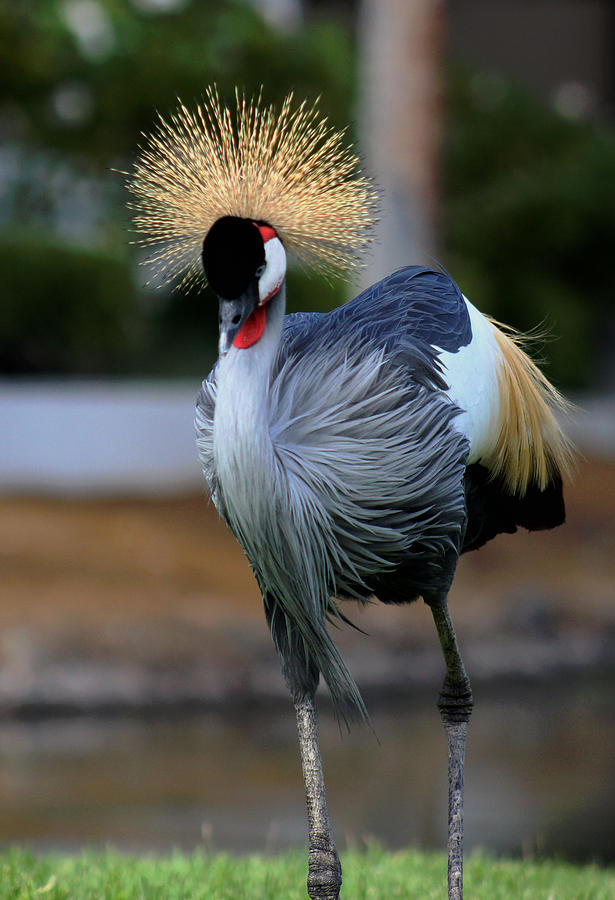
{"points": [[252, 329]]}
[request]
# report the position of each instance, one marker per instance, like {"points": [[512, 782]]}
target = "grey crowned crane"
{"points": [[354, 453]]}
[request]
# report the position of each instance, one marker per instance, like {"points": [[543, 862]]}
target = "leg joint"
{"points": [[455, 701]]}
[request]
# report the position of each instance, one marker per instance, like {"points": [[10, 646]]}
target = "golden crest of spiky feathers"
{"points": [[290, 168]]}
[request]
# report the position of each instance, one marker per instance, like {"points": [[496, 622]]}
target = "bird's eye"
{"points": [[260, 270]]}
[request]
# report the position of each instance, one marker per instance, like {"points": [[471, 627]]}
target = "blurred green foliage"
{"points": [[123, 63], [527, 213], [64, 308], [529, 219], [81, 80]]}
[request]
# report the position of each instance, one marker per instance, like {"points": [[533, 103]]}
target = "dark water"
{"points": [[540, 778]]}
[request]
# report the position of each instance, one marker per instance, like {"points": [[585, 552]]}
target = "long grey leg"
{"points": [[324, 871], [455, 705]]}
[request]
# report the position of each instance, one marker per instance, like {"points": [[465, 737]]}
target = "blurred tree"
{"points": [[81, 80], [65, 309], [401, 49], [529, 220], [85, 76], [527, 210]]}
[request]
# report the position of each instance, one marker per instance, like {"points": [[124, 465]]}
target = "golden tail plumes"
{"points": [[531, 447]]}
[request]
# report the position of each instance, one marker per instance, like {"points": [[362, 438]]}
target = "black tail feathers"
{"points": [[492, 510]]}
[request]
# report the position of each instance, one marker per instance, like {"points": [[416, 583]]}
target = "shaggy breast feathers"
{"points": [[355, 414], [366, 451]]}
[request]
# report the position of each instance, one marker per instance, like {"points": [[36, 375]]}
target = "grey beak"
{"points": [[233, 313]]}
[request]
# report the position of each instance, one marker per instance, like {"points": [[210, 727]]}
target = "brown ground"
{"points": [[135, 591]]}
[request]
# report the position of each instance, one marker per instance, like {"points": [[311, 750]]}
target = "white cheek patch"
{"points": [[272, 278]]}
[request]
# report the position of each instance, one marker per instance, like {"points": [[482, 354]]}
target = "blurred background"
{"points": [[141, 701]]}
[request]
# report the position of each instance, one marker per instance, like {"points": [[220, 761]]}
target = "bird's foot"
{"points": [[324, 873]]}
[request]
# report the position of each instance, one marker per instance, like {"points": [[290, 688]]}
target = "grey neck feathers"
{"points": [[243, 449]]}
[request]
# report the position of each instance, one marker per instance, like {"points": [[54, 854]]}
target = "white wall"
{"points": [[87, 438]]}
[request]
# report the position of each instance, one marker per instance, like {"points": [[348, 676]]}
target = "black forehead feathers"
{"points": [[232, 252]]}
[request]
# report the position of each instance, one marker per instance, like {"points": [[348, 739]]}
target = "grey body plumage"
{"points": [[348, 471]]}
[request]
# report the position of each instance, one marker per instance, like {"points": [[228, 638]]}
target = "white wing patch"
{"points": [[472, 376]]}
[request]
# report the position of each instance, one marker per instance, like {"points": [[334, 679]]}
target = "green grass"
{"points": [[374, 875]]}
